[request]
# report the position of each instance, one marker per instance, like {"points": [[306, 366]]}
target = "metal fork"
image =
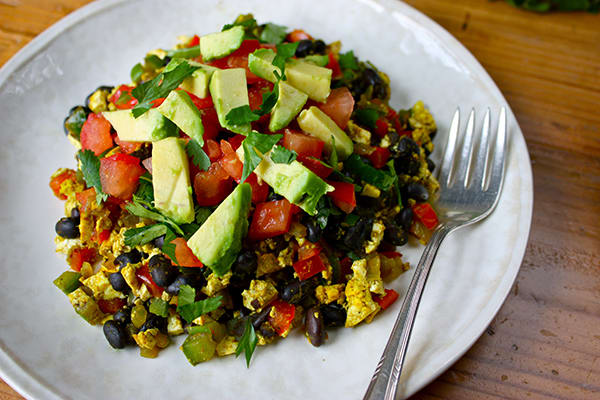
{"points": [[470, 185]]}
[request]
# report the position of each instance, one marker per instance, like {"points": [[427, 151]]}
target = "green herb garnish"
{"points": [[137, 209], [273, 33], [348, 61], [190, 309], [368, 173], [197, 155], [137, 236], [241, 115], [255, 146], [90, 168], [168, 247], [281, 155], [247, 343], [366, 117], [285, 51], [136, 73], [159, 307], [392, 168]]}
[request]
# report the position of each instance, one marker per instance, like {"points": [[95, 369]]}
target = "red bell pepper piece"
{"points": [[379, 157], [308, 250], [110, 306], [78, 256], [127, 102], [143, 274], [390, 297], [381, 127], [281, 316], [426, 214], [334, 66], [58, 180], [309, 267], [343, 196]]}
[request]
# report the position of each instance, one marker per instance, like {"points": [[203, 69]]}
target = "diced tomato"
{"points": [[230, 161], [379, 157], [236, 141], [390, 254], [381, 127], [157, 102], [200, 103], [184, 255], [120, 175], [260, 191], [195, 41], [111, 306], [297, 35], [315, 166], [308, 250], [101, 236], [127, 147], [127, 102], [210, 120], [255, 98], [339, 106], [281, 316], [95, 134], [58, 180], [143, 274], [390, 297], [78, 256], [212, 186], [334, 66], [304, 145], [426, 214], [346, 266], [239, 59], [86, 199], [295, 209], [270, 219], [343, 196], [309, 267], [212, 149]]}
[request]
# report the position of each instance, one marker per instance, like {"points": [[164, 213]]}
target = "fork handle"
{"points": [[384, 383]]}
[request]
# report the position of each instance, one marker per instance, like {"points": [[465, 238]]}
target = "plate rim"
{"points": [[26, 383]]}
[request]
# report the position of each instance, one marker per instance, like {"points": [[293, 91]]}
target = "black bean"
{"points": [[159, 242], [161, 270], [357, 234], [319, 47], [267, 331], [305, 47], [333, 314], [417, 191], [372, 77], [405, 218], [122, 316], [295, 291], [261, 317], [430, 164], [67, 228], [394, 234], [106, 89], [244, 265], [314, 326], [131, 257], [406, 147], [115, 334], [118, 282], [236, 326], [154, 321], [143, 152], [313, 230], [75, 213], [173, 288]]}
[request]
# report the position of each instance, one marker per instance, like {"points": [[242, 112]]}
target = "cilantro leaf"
{"points": [[90, 168], [393, 173], [136, 74], [273, 33], [202, 214], [145, 190], [249, 24], [368, 173], [168, 247], [189, 229], [241, 115], [145, 234], [366, 117], [160, 86], [198, 156], [159, 307], [348, 61], [139, 210], [269, 100], [281, 155], [192, 310], [187, 52], [247, 343], [323, 211], [186, 295], [253, 144], [285, 51]]}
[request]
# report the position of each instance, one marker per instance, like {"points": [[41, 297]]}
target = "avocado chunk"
{"points": [[289, 103], [197, 84], [320, 60], [295, 182], [68, 281], [219, 240], [316, 123], [171, 180], [229, 90], [179, 108], [149, 127], [199, 347], [85, 306], [313, 80], [221, 44], [260, 64]]}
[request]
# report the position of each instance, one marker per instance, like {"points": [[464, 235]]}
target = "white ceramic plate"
{"points": [[48, 352]]}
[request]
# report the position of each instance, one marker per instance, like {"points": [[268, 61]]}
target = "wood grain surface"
{"points": [[545, 341]]}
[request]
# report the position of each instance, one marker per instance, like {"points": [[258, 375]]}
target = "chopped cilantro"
{"points": [[190, 309], [323, 211], [273, 33], [90, 168], [247, 343], [376, 177], [155, 62], [348, 61], [269, 100], [145, 234], [281, 155], [392, 168], [198, 156], [351, 219], [255, 145], [249, 24], [145, 192], [186, 52], [159, 307], [137, 209], [241, 115], [160, 86], [366, 117], [136, 74], [168, 247], [285, 51]]}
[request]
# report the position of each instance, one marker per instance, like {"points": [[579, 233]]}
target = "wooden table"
{"points": [[545, 341]]}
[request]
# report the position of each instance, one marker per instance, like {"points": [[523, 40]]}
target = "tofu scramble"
{"points": [[245, 183]]}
